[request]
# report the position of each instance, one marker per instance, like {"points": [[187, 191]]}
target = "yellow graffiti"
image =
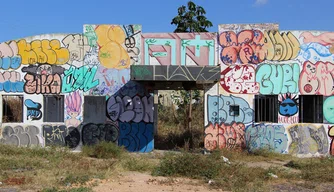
{"points": [[43, 51], [112, 53], [280, 47]]}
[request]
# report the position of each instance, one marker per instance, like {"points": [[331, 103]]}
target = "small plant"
{"points": [[137, 164], [74, 179], [103, 150], [190, 165]]}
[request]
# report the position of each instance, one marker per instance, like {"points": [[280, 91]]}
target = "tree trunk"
{"points": [[189, 120]]}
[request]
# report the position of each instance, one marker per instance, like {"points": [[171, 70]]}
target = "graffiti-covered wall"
{"points": [[275, 89], [75, 89]]}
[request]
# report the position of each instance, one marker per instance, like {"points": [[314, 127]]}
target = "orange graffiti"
{"points": [[225, 136], [112, 53], [43, 51]]}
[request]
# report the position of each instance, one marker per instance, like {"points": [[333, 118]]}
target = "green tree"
{"points": [[190, 18]]}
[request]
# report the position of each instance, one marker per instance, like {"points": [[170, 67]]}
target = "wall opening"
{"points": [[94, 109], [173, 132], [266, 108], [310, 109], [12, 109], [53, 108]]}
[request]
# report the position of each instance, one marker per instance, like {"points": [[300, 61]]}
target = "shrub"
{"points": [[189, 165], [103, 150]]}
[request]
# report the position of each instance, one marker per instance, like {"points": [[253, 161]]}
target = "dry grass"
{"points": [[12, 107], [57, 169], [172, 132]]}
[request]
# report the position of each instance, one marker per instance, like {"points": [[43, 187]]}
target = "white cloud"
{"points": [[261, 2]]}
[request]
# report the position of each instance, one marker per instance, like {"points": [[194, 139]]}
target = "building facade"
{"points": [[264, 88]]}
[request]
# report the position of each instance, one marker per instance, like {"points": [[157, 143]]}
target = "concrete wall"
{"points": [[254, 59], [258, 61]]}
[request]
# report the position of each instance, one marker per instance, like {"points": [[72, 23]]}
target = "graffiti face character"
{"points": [[288, 106], [328, 109], [44, 70]]}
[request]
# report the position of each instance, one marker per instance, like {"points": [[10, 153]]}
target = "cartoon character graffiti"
{"points": [[328, 109], [73, 108], [288, 105]]}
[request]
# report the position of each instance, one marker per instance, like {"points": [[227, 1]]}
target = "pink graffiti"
{"points": [[317, 78], [247, 45], [239, 79], [225, 136], [254, 46], [324, 38]]}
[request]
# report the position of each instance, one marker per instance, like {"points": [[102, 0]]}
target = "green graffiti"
{"points": [[141, 71], [159, 54], [91, 35], [328, 109], [105, 55]]}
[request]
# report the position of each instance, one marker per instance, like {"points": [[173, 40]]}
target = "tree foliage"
{"points": [[191, 18]]}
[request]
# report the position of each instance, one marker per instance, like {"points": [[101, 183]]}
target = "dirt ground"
{"points": [[136, 182]]}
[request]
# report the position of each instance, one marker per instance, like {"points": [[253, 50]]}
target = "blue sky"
{"points": [[22, 18]]}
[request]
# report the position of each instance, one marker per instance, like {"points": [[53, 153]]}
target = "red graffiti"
{"points": [[317, 79], [239, 79], [254, 46], [40, 84], [225, 136], [331, 135]]}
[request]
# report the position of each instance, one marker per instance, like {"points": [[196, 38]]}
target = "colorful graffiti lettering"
{"points": [[288, 108], [11, 82], [269, 137], [9, 58], [42, 79], [328, 109], [317, 78], [254, 46], [278, 79], [118, 48], [308, 139], [129, 109], [77, 45], [174, 48], [81, 78], [136, 137], [219, 110], [33, 109], [239, 79], [19, 136], [331, 135], [73, 103], [43, 51], [225, 136], [94, 133]]}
